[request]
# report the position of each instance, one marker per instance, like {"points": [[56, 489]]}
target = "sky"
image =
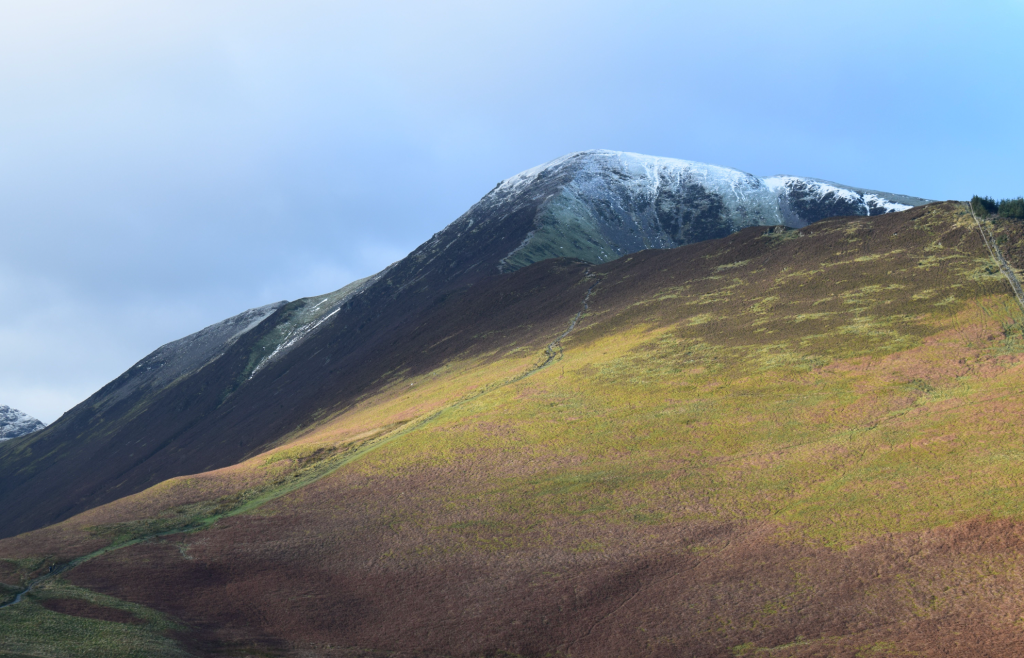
{"points": [[167, 164]]}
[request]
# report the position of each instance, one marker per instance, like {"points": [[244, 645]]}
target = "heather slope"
{"points": [[803, 441]]}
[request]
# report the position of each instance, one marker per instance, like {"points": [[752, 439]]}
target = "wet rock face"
{"points": [[14, 423]]}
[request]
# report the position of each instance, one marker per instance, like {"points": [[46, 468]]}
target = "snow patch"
{"points": [[822, 189]]}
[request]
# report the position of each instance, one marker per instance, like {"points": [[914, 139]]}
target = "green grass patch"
{"points": [[30, 629]]}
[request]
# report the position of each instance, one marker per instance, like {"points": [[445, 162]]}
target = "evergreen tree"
{"points": [[983, 206], [1012, 208]]}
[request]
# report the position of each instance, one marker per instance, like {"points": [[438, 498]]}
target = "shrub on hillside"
{"points": [[1013, 208], [984, 206]]}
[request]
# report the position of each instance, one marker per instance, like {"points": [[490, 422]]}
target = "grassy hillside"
{"points": [[779, 443]]}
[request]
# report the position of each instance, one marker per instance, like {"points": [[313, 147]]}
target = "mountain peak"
{"points": [[598, 205]]}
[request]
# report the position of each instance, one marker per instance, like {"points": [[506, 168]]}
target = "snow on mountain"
{"points": [[599, 205], [804, 201], [14, 423], [594, 206], [304, 317]]}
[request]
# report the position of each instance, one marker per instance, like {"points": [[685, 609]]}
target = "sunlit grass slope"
{"points": [[806, 442], [60, 619]]}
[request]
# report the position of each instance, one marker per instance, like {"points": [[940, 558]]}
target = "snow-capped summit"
{"points": [[599, 205], [14, 423]]}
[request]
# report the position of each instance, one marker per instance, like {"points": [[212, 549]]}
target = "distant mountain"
{"points": [[14, 423], [225, 392]]}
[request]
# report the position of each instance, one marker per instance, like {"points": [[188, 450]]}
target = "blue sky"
{"points": [[166, 164]]}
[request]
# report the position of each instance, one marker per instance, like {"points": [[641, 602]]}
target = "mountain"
{"points": [[793, 442], [232, 389], [189, 355], [14, 423], [599, 205]]}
